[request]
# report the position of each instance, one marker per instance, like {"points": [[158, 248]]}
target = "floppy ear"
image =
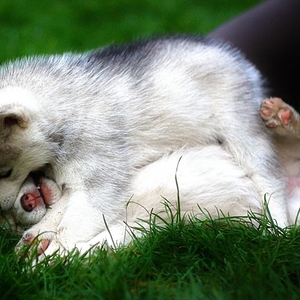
{"points": [[11, 116]]}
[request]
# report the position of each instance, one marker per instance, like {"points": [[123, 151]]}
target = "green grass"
{"points": [[227, 258], [40, 26]]}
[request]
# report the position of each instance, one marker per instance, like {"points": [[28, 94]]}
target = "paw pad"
{"points": [[275, 113], [41, 245]]}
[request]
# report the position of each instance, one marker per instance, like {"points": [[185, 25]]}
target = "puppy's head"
{"points": [[22, 143], [29, 207]]}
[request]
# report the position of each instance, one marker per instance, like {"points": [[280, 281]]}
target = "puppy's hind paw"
{"points": [[275, 112]]}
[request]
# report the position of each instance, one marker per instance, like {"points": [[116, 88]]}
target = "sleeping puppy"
{"points": [[213, 165], [95, 121], [197, 171], [279, 117]]}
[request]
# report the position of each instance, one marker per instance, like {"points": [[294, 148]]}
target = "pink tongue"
{"points": [[45, 193]]}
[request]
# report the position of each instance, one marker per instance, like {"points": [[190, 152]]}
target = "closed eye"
{"points": [[5, 173]]}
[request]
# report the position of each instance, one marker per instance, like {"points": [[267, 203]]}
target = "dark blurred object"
{"points": [[269, 35]]}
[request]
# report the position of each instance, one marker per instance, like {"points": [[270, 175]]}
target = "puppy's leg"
{"points": [[284, 124], [280, 117]]}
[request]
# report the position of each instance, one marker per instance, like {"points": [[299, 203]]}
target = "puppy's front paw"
{"points": [[31, 243], [36, 244], [276, 113]]}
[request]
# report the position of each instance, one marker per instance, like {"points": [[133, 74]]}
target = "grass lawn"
{"points": [[221, 259], [40, 26]]}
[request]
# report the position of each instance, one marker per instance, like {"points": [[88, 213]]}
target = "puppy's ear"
{"points": [[12, 117]]}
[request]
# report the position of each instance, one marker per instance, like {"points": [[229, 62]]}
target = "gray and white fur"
{"points": [[96, 121]]}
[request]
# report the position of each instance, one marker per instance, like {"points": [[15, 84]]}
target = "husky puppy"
{"points": [[93, 121]]}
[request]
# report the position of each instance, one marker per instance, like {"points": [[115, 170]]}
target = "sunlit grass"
{"points": [[40, 26], [187, 258]]}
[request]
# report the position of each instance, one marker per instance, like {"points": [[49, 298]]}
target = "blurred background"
{"points": [[41, 26]]}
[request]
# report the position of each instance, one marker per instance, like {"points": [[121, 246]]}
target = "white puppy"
{"points": [[94, 121]]}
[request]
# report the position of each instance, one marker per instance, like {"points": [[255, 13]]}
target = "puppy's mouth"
{"points": [[43, 189], [45, 193], [36, 177], [36, 198]]}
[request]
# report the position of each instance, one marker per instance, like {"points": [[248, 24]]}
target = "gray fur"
{"points": [[100, 117]]}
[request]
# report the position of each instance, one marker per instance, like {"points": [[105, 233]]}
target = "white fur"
{"points": [[209, 184], [103, 120]]}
